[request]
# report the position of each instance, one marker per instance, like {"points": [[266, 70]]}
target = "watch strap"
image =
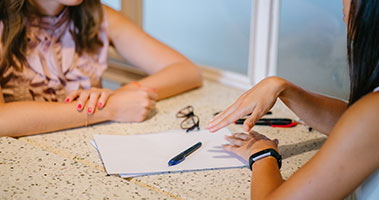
{"points": [[265, 153]]}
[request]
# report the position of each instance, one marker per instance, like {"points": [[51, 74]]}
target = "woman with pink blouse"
{"points": [[53, 55]]}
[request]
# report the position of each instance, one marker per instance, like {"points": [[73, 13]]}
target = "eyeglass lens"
{"points": [[191, 120]]}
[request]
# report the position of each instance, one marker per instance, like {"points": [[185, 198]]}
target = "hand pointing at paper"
{"points": [[257, 101], [308, 106]]}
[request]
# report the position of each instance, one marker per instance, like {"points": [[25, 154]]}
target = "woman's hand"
{"points": [[94, 97], [246, 145], [131, 105], [257, 101]]}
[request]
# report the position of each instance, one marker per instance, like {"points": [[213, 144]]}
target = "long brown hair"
{"points": [[87, 18], [363, 47]]}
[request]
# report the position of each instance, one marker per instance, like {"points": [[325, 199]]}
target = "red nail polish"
{"points": [[67, 100], [79, 106], [100, 105], [89, 110]]}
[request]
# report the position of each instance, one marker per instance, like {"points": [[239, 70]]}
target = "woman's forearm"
{"points": [[318, 111], [170, 72], [266, 178], [27, 118], [174, 79]]}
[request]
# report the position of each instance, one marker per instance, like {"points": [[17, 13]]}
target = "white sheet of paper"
{"points": [[137, 155]]}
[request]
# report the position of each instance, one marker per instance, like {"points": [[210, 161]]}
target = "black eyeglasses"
{"points": [[191, 121]]}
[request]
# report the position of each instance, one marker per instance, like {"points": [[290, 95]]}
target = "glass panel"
{"points": [[115, 4], [312, 46], [212, 33]]}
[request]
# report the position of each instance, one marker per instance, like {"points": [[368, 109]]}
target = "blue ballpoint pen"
{"points": [[180, 157]]}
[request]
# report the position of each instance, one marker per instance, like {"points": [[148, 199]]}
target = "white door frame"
{"points": [[264, 33], [263, 48], [263, 44]]}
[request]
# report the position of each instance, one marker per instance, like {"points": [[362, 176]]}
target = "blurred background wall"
{"points": [[312, 46], [216, 33]]}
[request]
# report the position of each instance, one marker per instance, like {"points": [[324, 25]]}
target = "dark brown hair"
{"points": [[363, 47], [87, 18]]}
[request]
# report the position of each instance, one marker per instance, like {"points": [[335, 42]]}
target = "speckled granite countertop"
{"points": [[64, 165]]}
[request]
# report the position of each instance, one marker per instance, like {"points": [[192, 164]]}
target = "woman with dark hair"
{"points": [[349, 157], [53, 54]]}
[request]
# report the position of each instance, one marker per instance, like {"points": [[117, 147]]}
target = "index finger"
{"points": [[221, 116], [230, 147], [232, 117]]}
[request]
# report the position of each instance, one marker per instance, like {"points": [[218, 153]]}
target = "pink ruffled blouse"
{"points": [[53, 67]]}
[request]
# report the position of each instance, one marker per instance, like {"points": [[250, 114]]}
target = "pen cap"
{"points": [[174, 162]]}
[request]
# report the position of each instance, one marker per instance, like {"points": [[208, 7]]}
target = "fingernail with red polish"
{"points": [[67, 100], [89, 110], [100, 105], [79, 106]]}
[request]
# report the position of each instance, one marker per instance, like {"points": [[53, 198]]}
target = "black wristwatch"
{"points": [[263, 154]]}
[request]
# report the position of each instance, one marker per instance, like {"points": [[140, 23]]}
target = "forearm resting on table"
{"points": [[265, 179], [318, 111], [174, 79], [27, 118]]}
